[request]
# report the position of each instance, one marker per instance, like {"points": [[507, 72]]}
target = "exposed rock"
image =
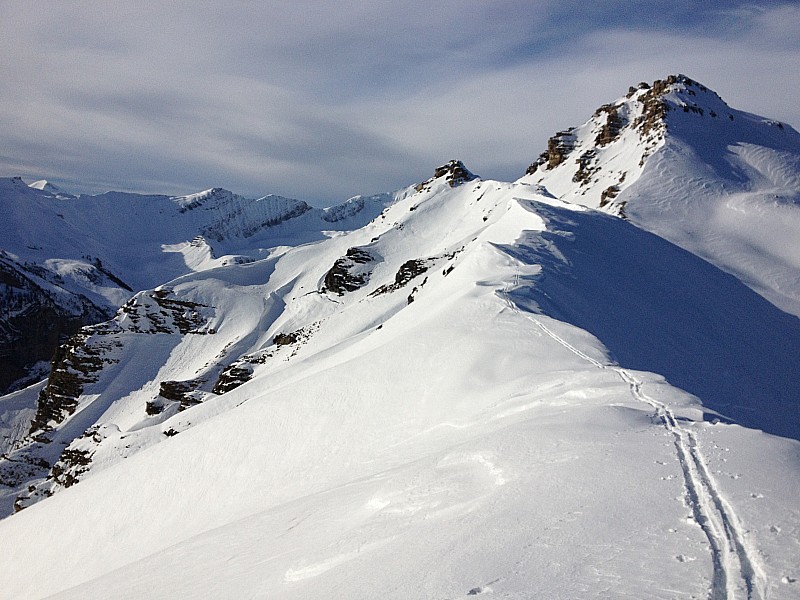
{"points": [[407, 271], [154, 407], [347, 273], [585, 169], [343, 211], [160, 311], [410, 269], [170, 392], [72, 464], [608, 194], [232, 377], [284, 339], [295, 338], [558, 148], [21, 467], [98, 264], [74, 365], [237, 216], [654, 108], [612, 127], [36, 315], [241, 371], [650, 122], [454, 173]]}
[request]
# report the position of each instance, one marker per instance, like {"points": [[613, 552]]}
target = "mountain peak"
{"points": [[192, 201], [593, 163], [453, 172], [643, 109]]}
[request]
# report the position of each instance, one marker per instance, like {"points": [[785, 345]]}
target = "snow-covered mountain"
{"points": [[70, 261], [674, 159], [465, 387]]}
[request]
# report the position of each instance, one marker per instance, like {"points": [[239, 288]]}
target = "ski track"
{"points": [[736, 573]]}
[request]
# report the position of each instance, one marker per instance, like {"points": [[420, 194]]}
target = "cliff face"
{"points": [[63, 436], [36, 315]]}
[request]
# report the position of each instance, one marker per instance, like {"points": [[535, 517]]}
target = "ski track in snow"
{"points": [[736, 571]]}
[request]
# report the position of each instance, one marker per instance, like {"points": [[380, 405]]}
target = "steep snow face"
{"points": [[341, 415], [728, 191], [676, 160], [659, 308]]}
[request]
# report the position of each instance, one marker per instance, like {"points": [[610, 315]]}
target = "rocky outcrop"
{"points": [[22, 467], [237, 216], [586, 167], [644, 109], [608, 195], [73, 462], [346, 210], [645, 115], [348, 273], [612, 126], [294, 337], [407, 271], [160, 311], [558, 148], [175, 392], [654, 110], [39, 460], [234, 376], [241, 371], [76, 363], [454, 173]]}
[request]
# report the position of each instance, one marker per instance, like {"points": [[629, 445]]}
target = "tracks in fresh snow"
{"points": [[736, 574]]}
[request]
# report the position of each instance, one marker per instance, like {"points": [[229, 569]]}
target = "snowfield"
{"points": [[463, 388]]}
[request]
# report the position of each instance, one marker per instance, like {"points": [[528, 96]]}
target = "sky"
{"points": [[325, 100]]}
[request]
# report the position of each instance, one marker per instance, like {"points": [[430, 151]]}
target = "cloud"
{"points": [[323, 101]]}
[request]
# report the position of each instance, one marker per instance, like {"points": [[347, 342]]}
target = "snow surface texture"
{"points": [[483, 390]]}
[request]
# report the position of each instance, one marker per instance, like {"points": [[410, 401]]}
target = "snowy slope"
{"points": [[405, 410], [465, 387], [69, 261], [675, 159], [142, 239]]}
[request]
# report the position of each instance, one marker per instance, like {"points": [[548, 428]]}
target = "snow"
{"points": [[747, 228], [141, 239], [721, 183], [16, 411], [525, 397]]}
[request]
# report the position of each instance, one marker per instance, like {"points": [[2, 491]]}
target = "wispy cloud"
{"points": [[323, 100]]}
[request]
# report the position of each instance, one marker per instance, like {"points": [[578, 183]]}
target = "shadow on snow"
{"points": [[659, 308]]}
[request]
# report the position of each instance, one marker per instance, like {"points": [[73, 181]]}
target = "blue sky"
{"points": [[323, 100]]}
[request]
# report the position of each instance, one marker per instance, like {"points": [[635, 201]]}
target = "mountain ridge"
{"points": [[467, 378]]}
